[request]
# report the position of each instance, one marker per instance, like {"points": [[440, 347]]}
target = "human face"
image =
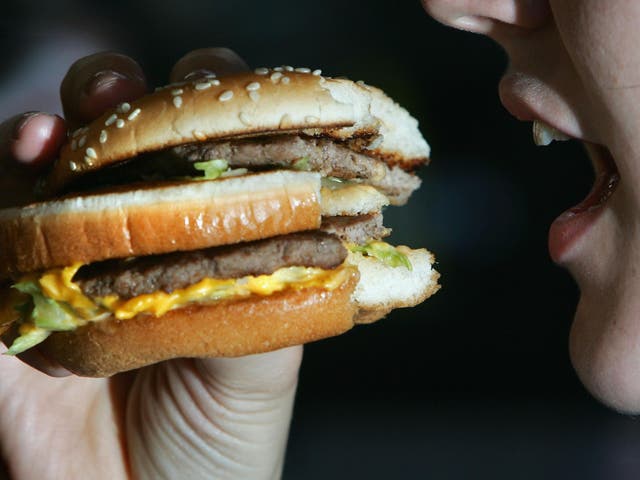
{"points": [[575, 65]]}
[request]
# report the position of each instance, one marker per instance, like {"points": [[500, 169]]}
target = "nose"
{"points": [[482, 16]]}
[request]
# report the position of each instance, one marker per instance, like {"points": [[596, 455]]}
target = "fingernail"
{"points": [[20, 124], [201, 72], [103, 80]]}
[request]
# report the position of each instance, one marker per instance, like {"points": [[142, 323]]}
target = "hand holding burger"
{"points": [[135, 423]]}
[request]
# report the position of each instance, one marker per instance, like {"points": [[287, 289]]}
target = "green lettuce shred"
{"points": [[302, 164], [387, 254], [211, 169], [27, 340], [45, 315]]}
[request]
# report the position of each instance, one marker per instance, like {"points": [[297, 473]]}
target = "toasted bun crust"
{"points": [[226, 329], [254, 103], [181, 216]]}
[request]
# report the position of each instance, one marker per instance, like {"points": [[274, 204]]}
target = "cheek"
{"points": [[602, 38]]}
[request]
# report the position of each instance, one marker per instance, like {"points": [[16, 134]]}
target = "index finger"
{"points": [[197, 63], [98, 82]]}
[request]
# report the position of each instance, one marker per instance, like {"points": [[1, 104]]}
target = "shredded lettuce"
{"points": [[40, 316], [218, 168], [211, 169], [387, 254], [30, 336], [47, 313], [302, 164]]}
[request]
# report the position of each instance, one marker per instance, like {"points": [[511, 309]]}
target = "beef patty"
{"points": [[132, 277], [322, 155]]}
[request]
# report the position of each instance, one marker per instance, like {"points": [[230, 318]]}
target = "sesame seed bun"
{"points": [[262, 102]]}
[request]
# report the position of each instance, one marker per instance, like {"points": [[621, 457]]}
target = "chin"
{"points": [[605, 352]]}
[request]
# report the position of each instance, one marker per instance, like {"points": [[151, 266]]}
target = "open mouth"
{"points": [[577, 220]]}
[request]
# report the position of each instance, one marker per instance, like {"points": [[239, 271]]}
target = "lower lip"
{"points": [[575, 222]]}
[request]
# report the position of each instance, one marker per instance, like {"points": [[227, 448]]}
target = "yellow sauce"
{"points": [[57, 284]]}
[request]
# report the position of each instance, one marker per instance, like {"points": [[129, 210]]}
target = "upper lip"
{"points": [[523, 110]]}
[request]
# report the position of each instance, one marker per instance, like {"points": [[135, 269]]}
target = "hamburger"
{"points": [[215, 217]]}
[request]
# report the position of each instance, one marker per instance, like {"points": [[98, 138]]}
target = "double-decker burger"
{"points": [[216, 217]]}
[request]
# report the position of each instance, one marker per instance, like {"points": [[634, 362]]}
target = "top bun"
{"points": [[262, 102]]}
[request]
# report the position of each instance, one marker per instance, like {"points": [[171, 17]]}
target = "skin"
{"points": [[576, 65], [209, 418]]}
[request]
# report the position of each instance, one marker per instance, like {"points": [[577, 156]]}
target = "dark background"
{"points": [[476, 382]]}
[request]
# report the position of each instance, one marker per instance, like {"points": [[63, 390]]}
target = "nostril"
{"points": [[482, 16], [531, 13], [472, 24]]}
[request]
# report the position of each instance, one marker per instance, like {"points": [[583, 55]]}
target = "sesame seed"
{"points": [[88, 160], [276, 76], [74, 144], [76, 132], [177, 91], [288, 68], [226, 95], [215, 82], [73, 166], [316, 72], [157, 89], [311, 119], [103, 136], [199, 135], [177, 101], [261, 71], [91, 153], [124, 107], [303, 70], [253, 86], [278, 69], [245, 119], [120, 123], [255, 96], [285, 80], [361, 83], [134, 114], [203, 85], [82, 141], [111, 120]]}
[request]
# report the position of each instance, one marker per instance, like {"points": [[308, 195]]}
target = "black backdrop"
{"points": [[476, 382]]}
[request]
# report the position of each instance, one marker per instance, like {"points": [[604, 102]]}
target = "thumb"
{"points": [[214, 418]]}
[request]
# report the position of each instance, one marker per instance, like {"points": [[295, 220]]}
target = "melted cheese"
{"points": [[58, 285]]}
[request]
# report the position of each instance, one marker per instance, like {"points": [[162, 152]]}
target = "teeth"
{"points": [[544, 134]]}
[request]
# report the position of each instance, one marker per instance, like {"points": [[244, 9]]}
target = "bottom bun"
{"points": [[225, 329]]}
